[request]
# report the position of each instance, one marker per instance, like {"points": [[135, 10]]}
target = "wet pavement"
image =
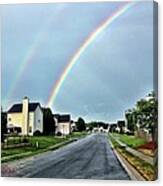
{"points": [[89, 158]]}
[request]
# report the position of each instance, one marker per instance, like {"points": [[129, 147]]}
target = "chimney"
{"points": [[25, 116]]}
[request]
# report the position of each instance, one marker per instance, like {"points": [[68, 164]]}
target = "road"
{"points": [[89, 158]]}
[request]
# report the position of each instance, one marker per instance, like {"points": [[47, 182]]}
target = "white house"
{"points": [[63, 124], [25, 118]]}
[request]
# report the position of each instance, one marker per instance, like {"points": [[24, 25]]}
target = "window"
{"points": [[18, 130], [9, 119], [30, 129], [38, 120]]}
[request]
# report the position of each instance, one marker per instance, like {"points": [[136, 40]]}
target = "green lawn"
{"points": [[131, 141], [78, 134], [146, 170], [44, 142]]}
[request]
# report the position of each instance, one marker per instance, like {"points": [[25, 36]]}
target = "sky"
{"points": [[116, 70]]}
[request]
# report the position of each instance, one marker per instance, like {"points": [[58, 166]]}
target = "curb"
{"points": [[131, 171], [135, 152], [51, 148]]}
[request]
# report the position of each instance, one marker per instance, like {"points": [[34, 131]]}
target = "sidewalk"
{"points": [[142, 156], [135, 152]]}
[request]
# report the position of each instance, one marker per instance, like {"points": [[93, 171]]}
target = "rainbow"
{"points": [[28, 58], [32, 51], [89, 40]]}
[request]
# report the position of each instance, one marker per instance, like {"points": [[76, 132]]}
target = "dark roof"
{"points": [[56, 116], [62, 118], [18, 107], [33, 106]]}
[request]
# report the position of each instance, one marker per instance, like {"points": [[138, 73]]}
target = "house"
{"points": [[25, 118], [63, 124], [112, 127], [95, 129]]}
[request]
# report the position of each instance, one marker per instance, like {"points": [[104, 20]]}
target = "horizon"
{"points": [[87, 121]]}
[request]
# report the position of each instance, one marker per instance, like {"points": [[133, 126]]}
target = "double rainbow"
{"points": [[89, 40], [33, 49]]}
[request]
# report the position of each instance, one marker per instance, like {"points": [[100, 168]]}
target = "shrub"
{"points": [[130, 133], [59, 133], [37, 133], [25, 140]]}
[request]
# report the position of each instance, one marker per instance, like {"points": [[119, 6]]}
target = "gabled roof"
{"points": [[56, 116], [62, 118], [16, 108], [33, 106]]}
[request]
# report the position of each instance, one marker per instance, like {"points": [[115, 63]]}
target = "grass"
{"points": [[131, 141], [145, 169], [44, 143], [78, 134]]}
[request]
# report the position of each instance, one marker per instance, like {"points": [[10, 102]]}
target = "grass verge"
{"points": [[38, 145], [146, 170], [131, 141]]}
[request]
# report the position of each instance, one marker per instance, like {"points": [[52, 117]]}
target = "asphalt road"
{"points": [[89, 158]]}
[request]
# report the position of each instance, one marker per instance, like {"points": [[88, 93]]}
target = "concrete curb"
{"points": [[7, 158], [54, 147], [135, 152], [131, 171]]}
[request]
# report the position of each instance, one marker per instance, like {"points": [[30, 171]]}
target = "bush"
{"points": [[25, 140], [37, 133], [59, 133], [130, 133]]}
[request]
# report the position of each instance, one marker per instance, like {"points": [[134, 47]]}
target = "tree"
{"points": [[3, 125], [144, 115], [121, 125], [48, 122], [131, 117], [80, 124], [147, 114]]}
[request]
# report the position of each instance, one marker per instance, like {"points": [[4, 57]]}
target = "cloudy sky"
{"points": [[39, 40]]}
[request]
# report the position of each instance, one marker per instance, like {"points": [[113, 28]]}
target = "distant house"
{"points": [[25, 118], [95, 129], [112, 127], [63, 124]]}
